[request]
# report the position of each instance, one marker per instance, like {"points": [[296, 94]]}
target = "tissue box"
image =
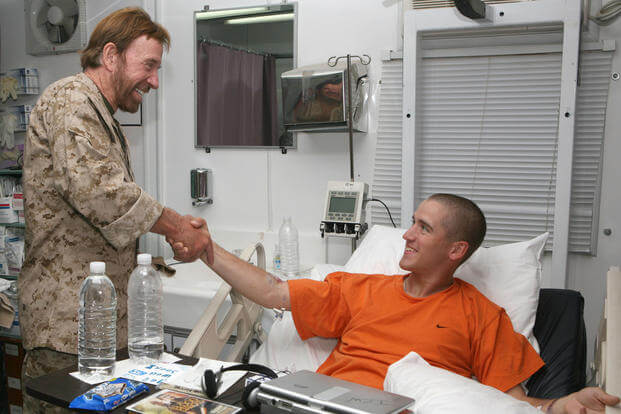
{"points": [[7, 213]]}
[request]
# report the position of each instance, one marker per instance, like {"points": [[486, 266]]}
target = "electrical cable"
{"points": [[386, 207], [608, 13]]}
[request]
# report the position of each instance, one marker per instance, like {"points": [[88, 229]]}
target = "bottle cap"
{"points": [[98, 267], [144, 259]]}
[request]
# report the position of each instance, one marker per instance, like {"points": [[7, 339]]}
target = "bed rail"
{"points": [[209, 337]]}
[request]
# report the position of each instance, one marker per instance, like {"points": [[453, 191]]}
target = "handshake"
{"points": [[187, 235]]}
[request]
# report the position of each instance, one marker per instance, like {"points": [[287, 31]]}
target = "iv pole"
{"points": [[365, 60], [332, 61]]}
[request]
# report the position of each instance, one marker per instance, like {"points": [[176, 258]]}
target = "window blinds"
{"points": [[387, 167], [489, 132]]}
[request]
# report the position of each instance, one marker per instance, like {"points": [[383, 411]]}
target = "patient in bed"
{"points": [[378, 319]]}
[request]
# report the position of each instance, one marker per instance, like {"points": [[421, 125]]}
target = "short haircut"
{"points": [[121, 28], [465, 221]]}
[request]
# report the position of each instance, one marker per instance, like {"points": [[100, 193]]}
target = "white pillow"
{"points": [[438, 391], [509, 275], [379, 252]]}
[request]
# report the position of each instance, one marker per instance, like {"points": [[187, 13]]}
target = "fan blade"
{"points": [[53, 33], [42, 15], [68, 7], [69, 25], [64, 36]]}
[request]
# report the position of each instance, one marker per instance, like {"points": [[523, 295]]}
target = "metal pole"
{"points": [[349, 120]]}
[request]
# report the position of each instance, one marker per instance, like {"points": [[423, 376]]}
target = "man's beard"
{"points": [[124, 90]]}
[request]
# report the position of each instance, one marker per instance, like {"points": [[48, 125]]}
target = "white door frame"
{"points": [[150, 147]]}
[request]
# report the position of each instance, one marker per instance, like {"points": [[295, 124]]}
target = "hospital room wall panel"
{"points": [[587, 274], [295, 183]]}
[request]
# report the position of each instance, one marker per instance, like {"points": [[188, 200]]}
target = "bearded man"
{"points": [[81, 201]]}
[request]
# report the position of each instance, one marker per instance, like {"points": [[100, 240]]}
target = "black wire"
{"points": [[386, 207]]}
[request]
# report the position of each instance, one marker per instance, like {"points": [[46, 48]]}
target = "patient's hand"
{"points": [[181, 250], [586, 401]]}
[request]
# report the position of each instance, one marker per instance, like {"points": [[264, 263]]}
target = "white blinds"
{"points": [[489, 132], [387, 172], [595, 70]]}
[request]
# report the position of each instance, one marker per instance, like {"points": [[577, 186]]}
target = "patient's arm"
{"points": [[251, 281], [587, 400]]}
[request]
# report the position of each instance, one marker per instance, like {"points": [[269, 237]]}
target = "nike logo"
{"points": [[440, 326]]}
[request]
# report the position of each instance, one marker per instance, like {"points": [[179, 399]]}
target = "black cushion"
{"points": [[561, 333]]}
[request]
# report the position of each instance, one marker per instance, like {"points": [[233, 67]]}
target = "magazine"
{"points": [[174, 402]]}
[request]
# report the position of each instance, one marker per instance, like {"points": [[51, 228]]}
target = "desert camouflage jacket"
{"points": [[81, 205]]}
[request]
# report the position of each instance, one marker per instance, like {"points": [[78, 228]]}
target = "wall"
{"points": [[255, 188], [587, 274]]}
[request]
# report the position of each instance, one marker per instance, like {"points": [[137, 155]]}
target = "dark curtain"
{"points": [[236, 97]]}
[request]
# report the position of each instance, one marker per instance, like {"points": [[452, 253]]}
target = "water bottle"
{"points": [[97, 323], [289, 251], [277, 259], [144, 311]]}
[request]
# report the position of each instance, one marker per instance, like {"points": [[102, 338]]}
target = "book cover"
{"points": [[174, 402]]}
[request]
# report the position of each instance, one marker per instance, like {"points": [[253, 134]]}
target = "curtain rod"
{"points": [[222, 44]]}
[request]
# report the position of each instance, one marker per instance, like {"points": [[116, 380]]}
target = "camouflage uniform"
{"points": [[81, 205], [40, 362]]}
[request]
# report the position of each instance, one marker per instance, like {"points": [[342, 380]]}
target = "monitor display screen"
{"points": [[342, 205]]}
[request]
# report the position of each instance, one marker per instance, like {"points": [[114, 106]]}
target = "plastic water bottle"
{"points": [[144, 311], [97, 323], [289, 250], [277, 259]]}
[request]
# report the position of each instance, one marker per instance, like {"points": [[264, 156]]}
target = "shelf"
{"points": [[9, 277], [16, 225], [12, 337], [10, 172]]}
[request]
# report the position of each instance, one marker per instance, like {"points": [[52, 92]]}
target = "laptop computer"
{"points": [[309, 392]]}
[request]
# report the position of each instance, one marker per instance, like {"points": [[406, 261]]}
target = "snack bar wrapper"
{"points": [[108, 395]]}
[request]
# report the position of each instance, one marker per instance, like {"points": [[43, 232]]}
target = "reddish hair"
{"points": [[121, 28]]}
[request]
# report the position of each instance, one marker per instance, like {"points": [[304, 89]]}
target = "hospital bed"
{"points": [[552, 319]]}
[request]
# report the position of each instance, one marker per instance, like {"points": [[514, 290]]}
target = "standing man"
{"points": [[81, 201]]}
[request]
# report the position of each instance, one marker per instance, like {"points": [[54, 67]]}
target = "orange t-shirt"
{"points": [[377, 323]]}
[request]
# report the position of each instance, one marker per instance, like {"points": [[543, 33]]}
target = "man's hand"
{"points": [[586, 401], [190, 232], [195, 240], [178, 247]]}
